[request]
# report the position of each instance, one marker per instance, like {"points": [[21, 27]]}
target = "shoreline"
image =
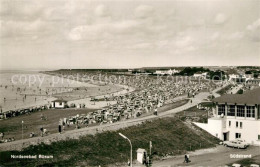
{"points": [[45, 100]]}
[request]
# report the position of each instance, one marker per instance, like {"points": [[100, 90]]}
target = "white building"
{"points": [[59, 103], [253, 82], [200, 75], [141, 155], [166, 72], [237, 78], [236, 116]]}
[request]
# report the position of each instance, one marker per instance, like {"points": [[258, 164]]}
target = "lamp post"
{"points": [[22, 130], [131, 158]]}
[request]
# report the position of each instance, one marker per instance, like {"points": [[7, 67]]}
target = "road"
{"points": [[75, 134], [219, 156]]}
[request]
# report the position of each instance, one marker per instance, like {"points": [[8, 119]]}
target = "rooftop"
{"points": [[59, 100], [249, 97]]}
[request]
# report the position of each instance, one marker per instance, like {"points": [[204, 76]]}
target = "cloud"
{"points": [[224, 37], [21, 28], [76, 33], [21, 11], [197, 23], [141, 46], [215, 36], [253, 31], [183, 41], [236, 35], [254, 26], [101, 11], [90, 32], [220, 18], [144, 11]]}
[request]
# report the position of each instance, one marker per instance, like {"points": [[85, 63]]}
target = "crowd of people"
{"points": [[18, 112], [150, 94], [5, 140]]}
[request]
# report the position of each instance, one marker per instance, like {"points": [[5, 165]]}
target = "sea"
{"points": [[21, 89]]}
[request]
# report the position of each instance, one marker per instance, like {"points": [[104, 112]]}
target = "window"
{"points": [[250, 111], [229, 123], [231, 110], [258, 112], [236, 124], [238, 135], [240, 111], [258, 137], [221, 109], [241, 124], [60, 103]]}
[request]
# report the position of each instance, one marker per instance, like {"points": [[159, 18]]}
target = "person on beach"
{"points": [[59, 128], [2, 135], [185, 158], [41, 129], [188, 158]]}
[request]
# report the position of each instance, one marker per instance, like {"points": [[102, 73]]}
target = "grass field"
{"points": [[32, 123], [172, 105], [195, 114], [170, 136], [168, 107]]}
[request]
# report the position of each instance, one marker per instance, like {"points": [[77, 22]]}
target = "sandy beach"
{"points": [[26, 89]]}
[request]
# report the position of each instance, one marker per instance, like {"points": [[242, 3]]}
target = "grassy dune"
{"points": [[32, 123], [224, 90], [170, 136]]}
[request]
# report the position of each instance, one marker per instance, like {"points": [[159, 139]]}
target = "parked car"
{"points": [[235, 144], [236, 165], [242, 141], [254, 165]]}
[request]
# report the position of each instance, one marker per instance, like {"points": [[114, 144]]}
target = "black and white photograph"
{"points": [[130, 83]]}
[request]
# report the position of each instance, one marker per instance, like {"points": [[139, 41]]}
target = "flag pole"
{"points": [[150, 148]]}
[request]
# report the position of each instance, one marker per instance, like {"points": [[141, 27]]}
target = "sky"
{"points": [[57, 34]]}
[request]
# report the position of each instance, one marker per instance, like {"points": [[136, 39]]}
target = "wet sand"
{"points": [[18, 92]]}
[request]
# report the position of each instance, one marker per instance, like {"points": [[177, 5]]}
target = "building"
{"points": [[249, 76], [166, 72], [237, 78], [59, 103], [200, 75], [141, 155], [236, 116], [253, 82]]}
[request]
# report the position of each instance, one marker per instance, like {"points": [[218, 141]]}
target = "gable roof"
{"points": [[140, 150], [249, 97], [59, 100]]}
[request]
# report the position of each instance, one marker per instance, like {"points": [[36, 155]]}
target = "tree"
{"points": [[240, 91], [248, 72]]}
